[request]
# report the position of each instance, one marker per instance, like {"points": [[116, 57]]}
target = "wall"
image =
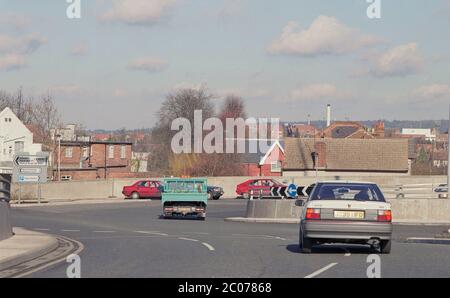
{"points": [[422, 211], [5, 221]]}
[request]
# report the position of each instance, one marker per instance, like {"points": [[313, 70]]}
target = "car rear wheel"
{"points": [[385, 246], [305, 244], [135, 196]]}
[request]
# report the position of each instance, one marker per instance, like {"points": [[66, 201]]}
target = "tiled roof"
{"points": [[385, 155]]}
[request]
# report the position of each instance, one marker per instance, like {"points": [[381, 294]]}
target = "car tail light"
{"points": [[312, 213], [385, 215], [199, 209]]}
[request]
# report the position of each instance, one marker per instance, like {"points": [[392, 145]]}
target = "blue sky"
{"points": [[113, 67]]}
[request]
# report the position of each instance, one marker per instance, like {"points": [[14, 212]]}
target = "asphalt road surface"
{"points": [[130, 240]]}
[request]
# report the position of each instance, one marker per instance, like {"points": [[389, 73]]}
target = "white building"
{"points": [[430, 134], [15, 137]]}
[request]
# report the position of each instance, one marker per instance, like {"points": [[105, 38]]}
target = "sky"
{"points": [[113, 67]]}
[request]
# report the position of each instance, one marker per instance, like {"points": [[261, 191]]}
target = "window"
{"points": [[69, 152], [111, 151], [85, 152], [66, 178], [19, 146], [275, 166], [123, 151]]}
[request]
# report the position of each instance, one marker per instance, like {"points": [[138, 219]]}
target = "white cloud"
{"points": [[325, 36], [137, 12], [20, 45], [402, 60], [318, 91], [12, 62], [433, 91], [148, 64]]}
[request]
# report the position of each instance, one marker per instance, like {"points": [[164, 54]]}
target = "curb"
{"points": [[20, 243], [263, 220], [441, 241]]}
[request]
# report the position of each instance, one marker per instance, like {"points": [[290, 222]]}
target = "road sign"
{"points": [[29, 168], [305, 191], [291, 191], [31, 160], [279, 191]]}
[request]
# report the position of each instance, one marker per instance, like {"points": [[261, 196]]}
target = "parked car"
{"points": [[144, 189], [259, 186], [214, 192], [442, 191], [346, 212]]}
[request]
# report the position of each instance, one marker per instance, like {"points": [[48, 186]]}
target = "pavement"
{"points": [[131, 240], [24, 246]]}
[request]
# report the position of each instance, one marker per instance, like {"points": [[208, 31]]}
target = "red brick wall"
{"points": [[97, 161]]}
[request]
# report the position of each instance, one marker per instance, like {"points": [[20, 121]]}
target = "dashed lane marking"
{"points": [[151, 233], [106, 232], [70, 231], [41, 229], [209, 246], [322, 270], [188, 239]]}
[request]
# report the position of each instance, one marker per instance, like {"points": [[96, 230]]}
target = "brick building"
{"points": [[90, 160], [341, 157], [267, 163]]}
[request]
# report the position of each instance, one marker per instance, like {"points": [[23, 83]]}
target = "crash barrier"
{"points": [[100, 189], [5, 221], [273, 209], [413, 191], [420, 211]]}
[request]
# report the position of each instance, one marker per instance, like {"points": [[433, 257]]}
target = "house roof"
{"points": [[377, 155], [258, 157]]}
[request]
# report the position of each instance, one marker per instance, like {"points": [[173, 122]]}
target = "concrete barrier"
{"points": [[100, 189], [5, 221], [418, 211], [273, 209]]}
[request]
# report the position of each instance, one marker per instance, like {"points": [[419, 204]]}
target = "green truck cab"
{"points": [[185, 197]]}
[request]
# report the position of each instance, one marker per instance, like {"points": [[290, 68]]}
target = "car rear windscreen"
{"points": [[356, 192]]}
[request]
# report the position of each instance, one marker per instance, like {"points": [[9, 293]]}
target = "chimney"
{"points": [[328, 115], [321, 151]]}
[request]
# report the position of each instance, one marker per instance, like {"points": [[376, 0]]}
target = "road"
{"points": [[130, 240]]}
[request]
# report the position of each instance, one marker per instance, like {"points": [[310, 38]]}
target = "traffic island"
{"points": [[24, 246], [270, 211]]}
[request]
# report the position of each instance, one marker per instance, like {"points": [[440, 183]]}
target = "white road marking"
{"points": [[151, 233], [348, 254], [188, 239], [39, 229], [320, 271], [210, 247], [103, 231], [70, 230], [264, 236]]}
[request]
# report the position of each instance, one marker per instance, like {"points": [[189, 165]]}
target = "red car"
{"points": [[257, 185], [144, 189]]}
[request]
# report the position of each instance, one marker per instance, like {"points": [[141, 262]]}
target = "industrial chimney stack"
{"points": [[328, 115]]}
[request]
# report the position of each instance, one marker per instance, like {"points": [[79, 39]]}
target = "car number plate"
{"points": [[349, 214]]}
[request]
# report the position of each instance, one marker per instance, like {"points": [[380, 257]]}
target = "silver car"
{"points": [[346, 212]]}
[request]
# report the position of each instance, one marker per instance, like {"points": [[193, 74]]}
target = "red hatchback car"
{"points": [[262, 185], [144, 189]]}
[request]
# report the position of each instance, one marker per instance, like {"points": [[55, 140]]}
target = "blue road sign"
{"points": [[291, 191]]}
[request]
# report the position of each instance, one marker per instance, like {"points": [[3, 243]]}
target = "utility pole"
{"points": [[448, 161]]}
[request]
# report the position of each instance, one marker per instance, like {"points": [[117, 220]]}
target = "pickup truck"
{"points": [[185, 198]]}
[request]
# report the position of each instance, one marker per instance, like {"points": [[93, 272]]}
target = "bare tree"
{"points": [[46, 116]]}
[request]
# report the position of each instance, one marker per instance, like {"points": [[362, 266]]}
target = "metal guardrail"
{"points": [[412, 191], [5, 188]]}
